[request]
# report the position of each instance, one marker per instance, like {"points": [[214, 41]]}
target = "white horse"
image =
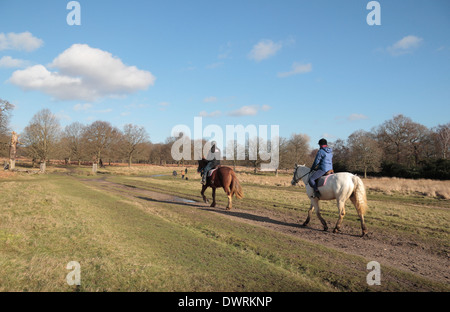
{"points": [[340, 186]]}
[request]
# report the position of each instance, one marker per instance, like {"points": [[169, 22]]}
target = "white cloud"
{"points": [[212, 114], [22, 41], [264, 49], [265, 108], [354, 117], [210, 99], [297, 68], [82, 107], [249, 110], [104, 111], [405, 45], [225, 51], [245, 111], [163, 105], [85, 73], [9, 62]]}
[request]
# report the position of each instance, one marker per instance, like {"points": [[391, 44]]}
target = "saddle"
{"points": [[210, 175], [210, 172], [323, 179]]}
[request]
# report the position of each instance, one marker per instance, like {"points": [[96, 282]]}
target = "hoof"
{"points": [[213, 205], [364, 235], [305, 224], [336, 231], [325, 229]]}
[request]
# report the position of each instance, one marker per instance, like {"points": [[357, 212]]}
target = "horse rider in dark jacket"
{"points": [[213, 158], [323, 164]]}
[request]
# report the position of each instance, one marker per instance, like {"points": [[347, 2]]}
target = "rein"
{"points": [[296, 181]]}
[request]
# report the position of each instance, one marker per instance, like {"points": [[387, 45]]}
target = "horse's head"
{"points": [[201, 164], [299, 172]]}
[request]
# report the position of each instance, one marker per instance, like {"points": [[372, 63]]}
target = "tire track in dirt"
{"points": [[392, 250]]}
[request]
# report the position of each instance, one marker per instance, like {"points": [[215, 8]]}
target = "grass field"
{"points": [[128, 234]]}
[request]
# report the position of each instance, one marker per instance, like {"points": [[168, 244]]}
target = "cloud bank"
{"points": [[22, 42], [83, 73]]}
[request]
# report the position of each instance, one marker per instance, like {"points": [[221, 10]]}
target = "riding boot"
{"points": [[204, 179], [316, 194]]}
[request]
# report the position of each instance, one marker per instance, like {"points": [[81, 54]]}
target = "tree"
{"points": [[340, 155], [72, 141], [132, 137], [443, 139], [365, 154], [98, 137], [402, 138], [295, 150], [5, 114], [41, 135]]}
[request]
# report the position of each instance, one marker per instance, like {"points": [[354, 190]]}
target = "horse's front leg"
{"points": [[310, 211], [214, 197], [203, 193]]}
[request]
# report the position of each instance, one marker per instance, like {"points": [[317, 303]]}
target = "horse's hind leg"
{"points": [[227, 190], [341, 208], [361, 216], [310, 211], [214, 197]]}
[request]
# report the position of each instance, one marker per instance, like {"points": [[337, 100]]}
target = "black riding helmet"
{"points": [[323, 142]]}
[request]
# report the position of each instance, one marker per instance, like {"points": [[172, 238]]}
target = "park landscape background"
{"points": [[377, 91], [134, 226]]}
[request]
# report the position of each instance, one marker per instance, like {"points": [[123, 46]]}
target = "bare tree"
{"points": [[132, 137], [98, 137], [403, 138], [41, 135], [340, 155], [365, 153], [5, 114], [296, 150], [72, 141], [443, 138]]}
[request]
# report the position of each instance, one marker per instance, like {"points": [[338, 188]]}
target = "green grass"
{"points": [[129, 244]]}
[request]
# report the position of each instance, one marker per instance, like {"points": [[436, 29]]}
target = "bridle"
{"points": [[296, 181]]}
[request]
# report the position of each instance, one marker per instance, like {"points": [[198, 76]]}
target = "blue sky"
{"points": [[313, 67]]}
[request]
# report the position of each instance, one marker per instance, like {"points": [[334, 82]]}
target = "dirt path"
{"points": [[431, 262]]}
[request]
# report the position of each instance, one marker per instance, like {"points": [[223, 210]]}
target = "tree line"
{"points": [[398, 147]]}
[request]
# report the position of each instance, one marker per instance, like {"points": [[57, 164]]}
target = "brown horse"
{"points": [[222, 177]]}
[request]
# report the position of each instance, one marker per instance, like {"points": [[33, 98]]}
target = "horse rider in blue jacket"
{"points": [[213, 157], [323, 164]]}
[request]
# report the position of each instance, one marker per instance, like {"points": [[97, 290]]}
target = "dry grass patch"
{"points": [[425, 187]]}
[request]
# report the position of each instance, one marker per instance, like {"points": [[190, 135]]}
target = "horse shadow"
{"points": [[241, 215]]}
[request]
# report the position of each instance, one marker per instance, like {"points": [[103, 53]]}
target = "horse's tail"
{"points": [[358, 197], [235, 187]]}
